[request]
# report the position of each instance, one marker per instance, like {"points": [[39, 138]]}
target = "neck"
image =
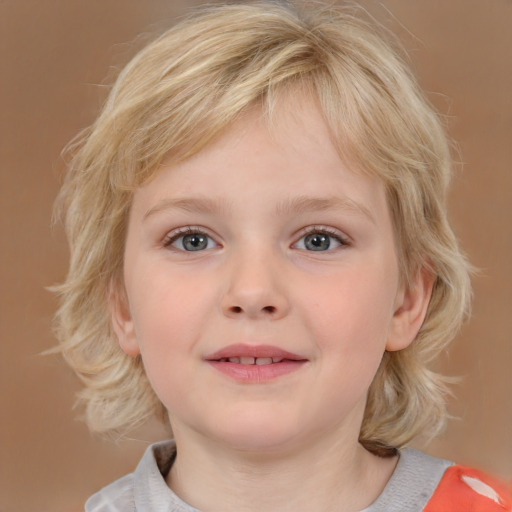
{"points": [[325, 475]]}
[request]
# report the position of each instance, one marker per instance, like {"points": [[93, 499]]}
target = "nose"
{"points": [[255, 288]]}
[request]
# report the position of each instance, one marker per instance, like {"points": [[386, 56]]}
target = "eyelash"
{"points": [[181, 232], [343, 240]]}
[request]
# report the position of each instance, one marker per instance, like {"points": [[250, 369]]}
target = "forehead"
{"points": [[287, 158], [291, 123]]}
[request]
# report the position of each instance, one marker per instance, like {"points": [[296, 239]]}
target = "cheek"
{"points": [[350, 326], [164, 297], [170, 314], [164, 327], [163, 321], [352, 312]]}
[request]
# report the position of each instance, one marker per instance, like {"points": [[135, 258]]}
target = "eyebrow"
{"points": [[296, 205], [189, 204], [307, 204]]}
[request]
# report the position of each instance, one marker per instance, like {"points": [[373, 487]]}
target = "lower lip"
{"points": [[257, 374]]}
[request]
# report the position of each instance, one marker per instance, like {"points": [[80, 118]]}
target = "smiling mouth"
{"points": [[247, 363], [248, 354]]}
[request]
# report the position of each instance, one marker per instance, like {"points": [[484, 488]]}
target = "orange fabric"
{"points": [[464, 490]]}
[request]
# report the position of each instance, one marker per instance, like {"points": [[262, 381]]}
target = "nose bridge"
{"points": [[255, 286]]}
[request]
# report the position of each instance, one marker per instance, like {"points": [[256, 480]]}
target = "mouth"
{"points": [[260, 361], [255, 363], [253, 354]]}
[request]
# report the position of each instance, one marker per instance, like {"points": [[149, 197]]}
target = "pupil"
{"points": [[317, 242], [194, 242]]}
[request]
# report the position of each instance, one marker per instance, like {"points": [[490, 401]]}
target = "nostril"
{"points": [[266, 309]]}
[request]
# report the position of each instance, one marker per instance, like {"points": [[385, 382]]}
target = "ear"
{"points": [[410, 310], [122, 322]]}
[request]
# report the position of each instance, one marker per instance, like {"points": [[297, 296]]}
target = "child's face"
{"points": [[269, 247]]}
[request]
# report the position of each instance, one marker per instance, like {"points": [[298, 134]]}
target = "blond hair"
{"points": [[174, 98]]}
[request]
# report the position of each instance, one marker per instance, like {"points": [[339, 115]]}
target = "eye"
{"points": [[320, 240], [190, 241]]}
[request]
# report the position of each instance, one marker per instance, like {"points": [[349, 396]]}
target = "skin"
{"points": [[291, 442]]}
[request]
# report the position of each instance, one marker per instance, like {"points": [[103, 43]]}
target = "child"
{"points": [[260, 252]]}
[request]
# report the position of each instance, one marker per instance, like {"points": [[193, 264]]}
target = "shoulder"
{"points": [[428, 484], [463, 489], [413, 482], [143, 490], [116, 497]]}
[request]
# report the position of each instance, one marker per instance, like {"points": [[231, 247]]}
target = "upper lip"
{"points": [[243, 350]]}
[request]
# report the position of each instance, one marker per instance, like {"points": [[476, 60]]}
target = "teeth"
{"points": [[263, 360], [252, 360]]}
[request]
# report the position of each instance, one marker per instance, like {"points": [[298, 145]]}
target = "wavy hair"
{"points": [[175, 97]]}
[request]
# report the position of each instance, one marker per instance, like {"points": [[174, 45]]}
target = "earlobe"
{"points": [[122, 322], [411, 309]]}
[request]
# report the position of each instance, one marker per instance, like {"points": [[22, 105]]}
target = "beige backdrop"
{"points": [[54, 56]]}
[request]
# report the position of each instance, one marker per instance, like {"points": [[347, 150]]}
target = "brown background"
{"points": [[54, 56]]}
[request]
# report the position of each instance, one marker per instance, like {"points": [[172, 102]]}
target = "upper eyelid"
{"points": [[340, 235], [174, 234]]}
